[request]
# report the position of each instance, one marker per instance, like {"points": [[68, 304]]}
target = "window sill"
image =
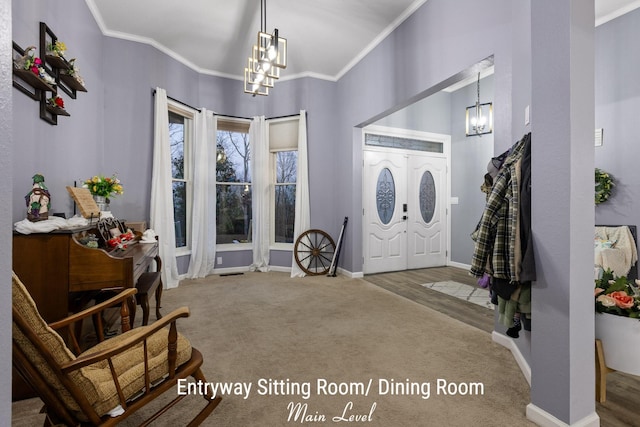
{"points": [[182, 252], [234, 247], [281, 247]]}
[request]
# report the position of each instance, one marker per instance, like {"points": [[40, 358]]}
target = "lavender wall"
{"points": [[562, 88], [432, 45], [469, 158], [6, 147], [617, 104], [112, 123], [444, 112], [75, 149]]}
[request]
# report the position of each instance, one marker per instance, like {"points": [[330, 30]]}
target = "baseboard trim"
{"points": [[545, 419], [231, 270], [280, 269], [459, 265], [507, 342], [356, 275]]}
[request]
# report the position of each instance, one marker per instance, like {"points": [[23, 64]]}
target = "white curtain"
{"points": [[303, 214], [162, 192], [203, 212], [259, 141]]}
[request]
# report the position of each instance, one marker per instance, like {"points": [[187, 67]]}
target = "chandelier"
{"points": [[480, 116], [268, 56]]}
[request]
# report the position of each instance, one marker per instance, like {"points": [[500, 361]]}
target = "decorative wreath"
{"points": [[604, 184]]}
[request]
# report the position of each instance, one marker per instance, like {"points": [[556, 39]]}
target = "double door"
{"points": [[405, 210]]}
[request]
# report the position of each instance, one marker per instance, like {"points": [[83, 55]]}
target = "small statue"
{"points": [[38, 200]]}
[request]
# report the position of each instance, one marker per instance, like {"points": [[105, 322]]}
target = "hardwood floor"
{"points": [[407, 284], [622, 408]]}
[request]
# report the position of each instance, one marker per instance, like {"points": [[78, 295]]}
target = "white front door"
{"points": [[427, 219], [405, 211], [385, 181]]}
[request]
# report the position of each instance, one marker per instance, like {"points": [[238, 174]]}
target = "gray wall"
{"points": [[431, 114], [436, 42], [469, 158], [432, 47], [617, 105], [444, 113], [6, 147], [75, 149]]}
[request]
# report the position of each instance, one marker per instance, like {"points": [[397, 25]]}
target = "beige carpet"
{"points": [[336, 335]]}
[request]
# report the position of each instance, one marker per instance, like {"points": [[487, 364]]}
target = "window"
{"points": [[180, 139], [283, 144], [234, 216], [233, 182], [285, 195]]}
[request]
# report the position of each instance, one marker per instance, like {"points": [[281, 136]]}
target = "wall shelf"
{"points": [[25, 80], [60, 66], [54, 67]]}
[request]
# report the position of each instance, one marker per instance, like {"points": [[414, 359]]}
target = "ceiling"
{"points": [[325, 38]]}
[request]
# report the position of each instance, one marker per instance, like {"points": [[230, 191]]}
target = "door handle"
{"points": [[404, 217]]}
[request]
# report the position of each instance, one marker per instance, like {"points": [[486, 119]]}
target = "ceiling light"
{"points": [[480, 116], [268, 56]]}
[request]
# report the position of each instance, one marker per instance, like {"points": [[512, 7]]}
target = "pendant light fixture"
{"points": [[480, 116], [268, 56]]}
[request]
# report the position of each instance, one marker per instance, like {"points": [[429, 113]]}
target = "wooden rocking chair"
{"points": [[110, 381]]}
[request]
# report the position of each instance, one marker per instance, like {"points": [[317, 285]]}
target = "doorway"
{"points": [[405, 199]]}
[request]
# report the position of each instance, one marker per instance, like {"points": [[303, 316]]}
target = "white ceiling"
{"points": [[325, 38]]}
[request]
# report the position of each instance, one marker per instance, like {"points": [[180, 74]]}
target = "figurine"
{"points": [[38, 200]]}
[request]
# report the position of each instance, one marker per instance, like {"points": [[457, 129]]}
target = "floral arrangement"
{"points": [[604, 184], [617, 296], [56, 101], [32, 63], [100, 185], [74, 71], [58, 48]]}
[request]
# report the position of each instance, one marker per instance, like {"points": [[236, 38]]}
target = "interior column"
{"points": [[562, 120]]}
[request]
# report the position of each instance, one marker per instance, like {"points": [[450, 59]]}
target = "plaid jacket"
{"points": [[495, 234]]}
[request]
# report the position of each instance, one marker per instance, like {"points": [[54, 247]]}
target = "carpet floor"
{"points": [[319, 350]]}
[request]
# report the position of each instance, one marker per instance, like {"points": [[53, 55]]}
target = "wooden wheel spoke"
{"points": [[313, 252]]}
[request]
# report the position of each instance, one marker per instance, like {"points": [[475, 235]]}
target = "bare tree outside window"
{"points": [[285, 195], [177, 143], [233, 187]]}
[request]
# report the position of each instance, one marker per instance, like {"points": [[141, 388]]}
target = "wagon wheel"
{"points": [[314, 251]]}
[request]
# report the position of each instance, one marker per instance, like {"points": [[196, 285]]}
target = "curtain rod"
{"points": [[180, 102], [249, 118], [226, 115]]}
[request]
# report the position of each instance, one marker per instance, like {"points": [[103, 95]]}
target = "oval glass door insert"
{"points": [[427, 197], [385, 196]]}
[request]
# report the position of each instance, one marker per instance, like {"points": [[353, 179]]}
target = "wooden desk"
{"points": [[55, 267], [58, 270]]}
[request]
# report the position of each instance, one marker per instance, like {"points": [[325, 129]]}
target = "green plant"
{"points": [[603, 186]]}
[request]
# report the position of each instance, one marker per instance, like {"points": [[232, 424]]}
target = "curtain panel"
{"points": [[303, 213], [259, 143], [203, 210], [161, 209]]}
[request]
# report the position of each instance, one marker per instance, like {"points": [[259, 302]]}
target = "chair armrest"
{"points": [[122, 296], [135, 337]]}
